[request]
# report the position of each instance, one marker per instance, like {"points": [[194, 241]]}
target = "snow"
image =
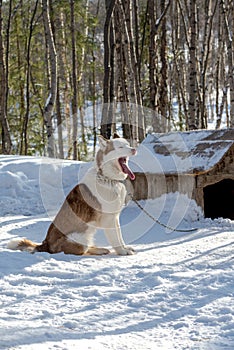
{"points": [[182, 152], [176, 292]]}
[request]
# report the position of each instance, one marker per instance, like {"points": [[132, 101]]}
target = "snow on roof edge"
{"points": [[188, 152]]}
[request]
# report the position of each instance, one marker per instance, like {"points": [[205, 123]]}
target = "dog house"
{"points": [[197, 163]]}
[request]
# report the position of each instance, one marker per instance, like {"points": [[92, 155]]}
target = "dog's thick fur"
{"points": [[96, 202]]}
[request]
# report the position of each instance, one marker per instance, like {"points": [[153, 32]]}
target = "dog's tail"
{"points": [[24, 244]]}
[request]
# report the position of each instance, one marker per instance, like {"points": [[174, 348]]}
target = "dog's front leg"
{"points": [[114, 236]]}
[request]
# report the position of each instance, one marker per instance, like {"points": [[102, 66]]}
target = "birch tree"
{"points": [[85, 31], [163, 87], [50, 103], [125, 13], [121, 89], [153, 84], [192, 89], [108, 81], [94, 82], [230, 52]]}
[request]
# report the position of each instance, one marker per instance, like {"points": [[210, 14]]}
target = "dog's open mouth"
{"points": [[125, 168]]}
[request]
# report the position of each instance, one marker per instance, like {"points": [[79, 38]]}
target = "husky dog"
{"points": [[96, 202]]}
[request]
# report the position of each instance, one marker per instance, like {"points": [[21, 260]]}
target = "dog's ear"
{"points": [[102, 141], [116, 136]]}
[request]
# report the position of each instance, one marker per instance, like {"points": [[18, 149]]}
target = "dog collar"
{"points": [[103, 178]]}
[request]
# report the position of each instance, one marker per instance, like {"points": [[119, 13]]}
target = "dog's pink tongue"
{"points": [[127, 170]]}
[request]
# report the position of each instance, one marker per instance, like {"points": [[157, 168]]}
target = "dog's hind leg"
{"points": [[97, 251], [73, 248]]}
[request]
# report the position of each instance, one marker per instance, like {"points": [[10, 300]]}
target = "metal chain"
{"points": [[157, 221]]}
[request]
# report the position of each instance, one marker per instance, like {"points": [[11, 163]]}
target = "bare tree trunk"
{"points": [[205, 54], [163, 98], [221, 109], [94, 81], [152, 59], [7, 50], [83, 146], [50, 103], [58, 28], [6, 139], [192, 120], [108, 83], [230, 52], [131, 17], [24, 138], [179, 63], [66, 81], [125, 15], [136, 33], [74, 87], [121, 76], [21, 90], [217, 73], [59, 122]]}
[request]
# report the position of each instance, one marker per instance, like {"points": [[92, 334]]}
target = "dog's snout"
{"points": [[134, 151]]}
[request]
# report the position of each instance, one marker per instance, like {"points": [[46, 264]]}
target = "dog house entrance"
{"points": [[219, 200]]}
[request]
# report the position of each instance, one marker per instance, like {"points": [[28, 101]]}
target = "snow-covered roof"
{"points": [[182, 152]]}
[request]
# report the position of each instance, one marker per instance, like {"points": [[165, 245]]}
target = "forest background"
{"points": [[72, 69]]}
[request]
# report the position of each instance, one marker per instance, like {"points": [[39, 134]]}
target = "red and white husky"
{"points": [[96, 202]]}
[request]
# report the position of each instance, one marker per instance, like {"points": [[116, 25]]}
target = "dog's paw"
{"points": [[103, 251], [125, 251], [97, 251]]}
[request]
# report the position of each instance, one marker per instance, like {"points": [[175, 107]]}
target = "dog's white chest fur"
{"points": [[109, 193]]}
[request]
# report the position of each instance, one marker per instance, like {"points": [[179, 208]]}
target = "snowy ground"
{"points": [[177, 292]]}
